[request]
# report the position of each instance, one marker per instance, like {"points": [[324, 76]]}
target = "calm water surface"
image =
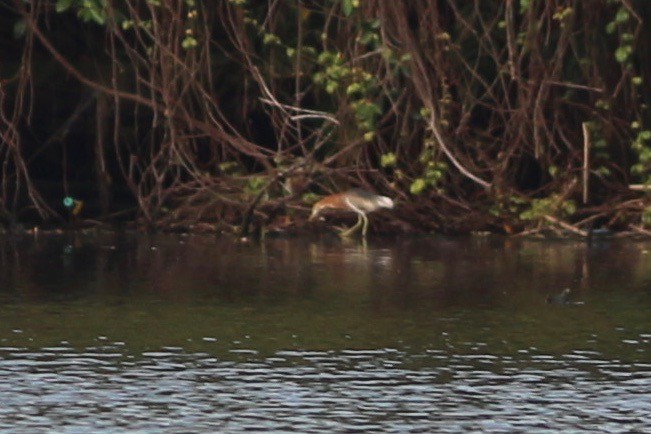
{"points": [[173, 333]]}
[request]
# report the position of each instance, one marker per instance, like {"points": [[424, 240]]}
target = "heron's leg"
{"points": [[365, 227], [352, 230]]}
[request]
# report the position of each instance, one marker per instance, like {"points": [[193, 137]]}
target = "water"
{"points": [[173, 333]]}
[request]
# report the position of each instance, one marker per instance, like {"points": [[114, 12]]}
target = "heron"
{"points": [[356, 200]]}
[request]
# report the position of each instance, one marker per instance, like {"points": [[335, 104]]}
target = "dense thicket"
{"points": [[512, 115]]}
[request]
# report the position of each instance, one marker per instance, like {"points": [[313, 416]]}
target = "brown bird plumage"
{"points": [[356, 200]]}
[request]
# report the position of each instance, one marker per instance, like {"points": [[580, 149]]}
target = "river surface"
{"points": [[106, 332]]}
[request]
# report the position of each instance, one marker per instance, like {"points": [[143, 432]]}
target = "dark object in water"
{"points": [[562, 298]]}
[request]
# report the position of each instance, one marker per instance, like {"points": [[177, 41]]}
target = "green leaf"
{"points": [[19, 29], [347, 7], [98, 16], [331, 86], [229, 167], [188, 43], [270, 38], [255, 183], [324, 57], [622, 53], [352, 88], [603, 171], [622, 15], [367, 110], [645, 135], [569, 207], [63, 5], [388, 160], [318, 78], [418, 186], [628, 37]]}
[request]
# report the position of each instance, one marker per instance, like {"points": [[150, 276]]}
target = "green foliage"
{"points": [[600, 149], [418, 186], [333, 72], [342, 63], [510, 206], [622, 16], [87, 10], [19, 29], [366, 113], [424, 113], [189, 42], [63, 5], [525, 5], [622, 24], [642, 147], [369, 35], [623, 52], [360, 86], [602, 104], [230, 167], [549, 206], [96, 11], [563, 16], [432, 173], [388, 160], [626, 39], [646, 216], [270, 39], [255, 184], [348, 6]]}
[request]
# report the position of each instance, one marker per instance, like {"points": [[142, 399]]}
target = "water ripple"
{"points": [[169, 390]]}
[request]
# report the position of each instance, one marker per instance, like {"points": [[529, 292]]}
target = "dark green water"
{"points": [[168, 333]]}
